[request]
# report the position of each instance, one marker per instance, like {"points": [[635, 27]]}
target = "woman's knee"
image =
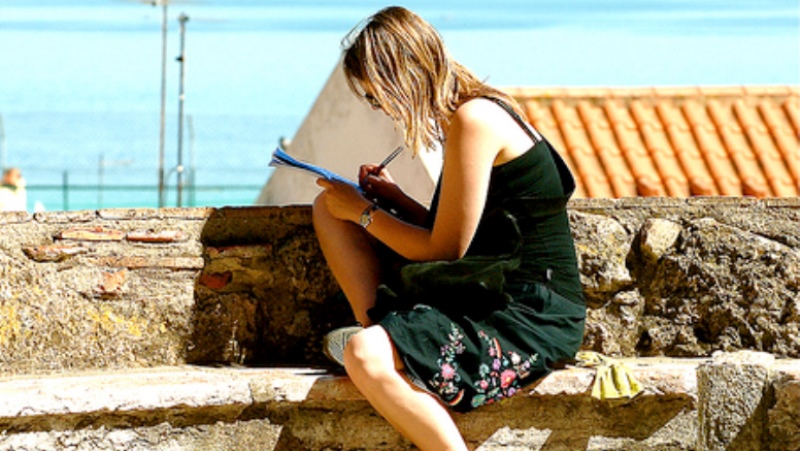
{"points": [[319, 208], [369, 354]]}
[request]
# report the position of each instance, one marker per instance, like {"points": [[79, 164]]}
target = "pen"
{"points": [[377, 170], [389, 159]]}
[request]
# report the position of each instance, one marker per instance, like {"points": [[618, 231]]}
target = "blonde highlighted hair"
{"points": [[401, 61]]}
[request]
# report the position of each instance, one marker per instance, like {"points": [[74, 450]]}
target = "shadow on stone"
{"points": [[265, 296], [565, 422]]}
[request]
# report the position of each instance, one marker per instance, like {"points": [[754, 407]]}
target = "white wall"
{"points": [[341, 132]]}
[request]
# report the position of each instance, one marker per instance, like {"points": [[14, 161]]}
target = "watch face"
{"points": [[366, 216]]}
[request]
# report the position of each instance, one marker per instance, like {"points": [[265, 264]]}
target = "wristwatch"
{"points": [[366, 216]]}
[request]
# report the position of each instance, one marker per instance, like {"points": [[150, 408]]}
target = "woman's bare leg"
{"points": [[351, 257], [372, 364]]}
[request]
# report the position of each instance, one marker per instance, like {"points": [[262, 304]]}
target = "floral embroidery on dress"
{"points": [[501, 378], [446, 382]]}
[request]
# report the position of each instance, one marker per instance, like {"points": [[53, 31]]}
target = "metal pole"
{"points": [[65, 190], [162, 125], [192, 164], [181, 97], [100, 167]]}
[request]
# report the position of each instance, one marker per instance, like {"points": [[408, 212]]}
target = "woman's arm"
{"points": [[473, 143], [379, 185]]}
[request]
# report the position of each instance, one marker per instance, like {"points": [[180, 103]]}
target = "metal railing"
{"points": [[79, 196]]}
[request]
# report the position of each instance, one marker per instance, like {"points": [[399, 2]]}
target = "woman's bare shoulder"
{"points": [[478, 114]]}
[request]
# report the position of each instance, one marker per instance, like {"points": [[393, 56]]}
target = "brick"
{"points": [[14, 217], [216, 281], [128, 213], [92, 234], [111, 283], [187, 213], [161, 236], [148, 262], [63, 217], [54, 252]]}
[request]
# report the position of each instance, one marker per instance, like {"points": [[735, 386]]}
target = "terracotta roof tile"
{"points": [[776, 171], [791, 111], [610, 155], [781, 131], [754, 183], [661, 151], [580, 149], [699, 178], [710, 145], [648, 181], [673, 141]]}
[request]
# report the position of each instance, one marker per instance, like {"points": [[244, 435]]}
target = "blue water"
{"points": [[80, 79]]}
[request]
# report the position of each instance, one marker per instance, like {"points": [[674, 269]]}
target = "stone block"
{"points": [[733, 401], [784, 414], [657, 237], [602, 245]]}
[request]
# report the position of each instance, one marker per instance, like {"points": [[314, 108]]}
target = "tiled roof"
{"points": [[676, 142]]}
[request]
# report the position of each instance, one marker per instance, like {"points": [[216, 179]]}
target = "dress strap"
{"points": [[535, 136]]}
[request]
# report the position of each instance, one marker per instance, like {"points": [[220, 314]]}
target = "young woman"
{"points": [[464, 304]]}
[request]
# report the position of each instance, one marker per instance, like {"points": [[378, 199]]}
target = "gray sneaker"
{"points": [[334, 342]]}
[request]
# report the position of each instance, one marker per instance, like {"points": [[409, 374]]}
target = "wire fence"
{"points": [[68, 196], [94, 160]]}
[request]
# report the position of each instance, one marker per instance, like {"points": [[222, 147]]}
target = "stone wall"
{"points": [[148, 287]]}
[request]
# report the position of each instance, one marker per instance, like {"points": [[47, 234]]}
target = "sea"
{"points": [[81, 81]]}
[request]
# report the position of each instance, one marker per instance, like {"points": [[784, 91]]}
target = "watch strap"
{"points": [[366, 216]]}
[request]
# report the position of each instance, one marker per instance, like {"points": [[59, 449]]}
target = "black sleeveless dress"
{"points": [[475, 331]]}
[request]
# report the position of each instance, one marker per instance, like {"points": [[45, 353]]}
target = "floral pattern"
{"points": [[447, 381], [499, 377]]}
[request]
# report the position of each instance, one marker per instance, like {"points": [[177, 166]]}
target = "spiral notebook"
{"points": [[281, 159]]}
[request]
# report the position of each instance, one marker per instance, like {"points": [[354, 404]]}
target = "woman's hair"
{"points": [[400, 60]]}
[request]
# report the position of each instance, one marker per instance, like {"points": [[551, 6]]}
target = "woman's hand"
{"points": [[344, 201], [378, 184]]}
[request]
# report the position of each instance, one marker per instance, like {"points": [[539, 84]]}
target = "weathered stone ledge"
{"points": [[126, 288], [313, 409], [26, 400]]}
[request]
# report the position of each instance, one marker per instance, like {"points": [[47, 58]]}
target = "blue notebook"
{"points": [[281, 159]]}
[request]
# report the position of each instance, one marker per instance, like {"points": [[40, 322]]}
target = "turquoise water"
{"points": [[80, 79]]}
